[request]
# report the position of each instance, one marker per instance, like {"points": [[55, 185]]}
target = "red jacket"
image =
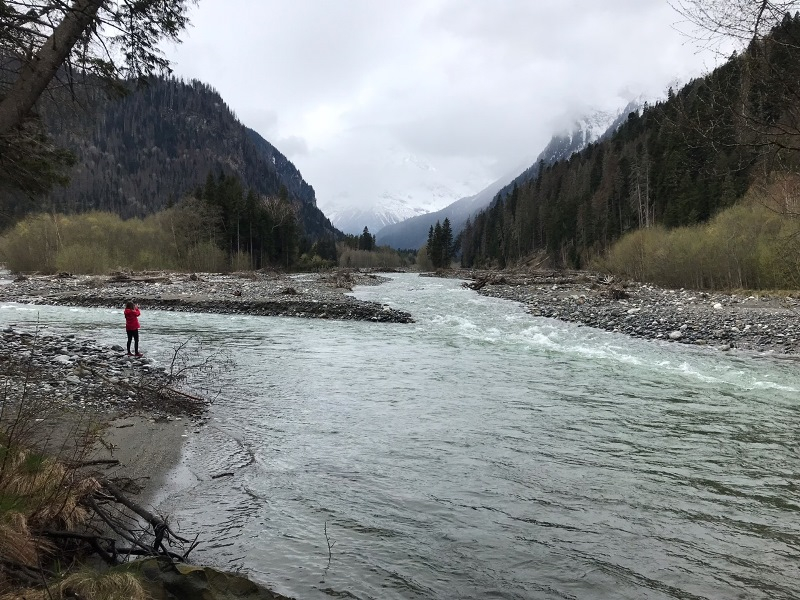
{"points": [[132, 318]]}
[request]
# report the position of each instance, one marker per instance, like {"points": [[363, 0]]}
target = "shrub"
{"points": [[206, 257], [746, 246], [80, 257], [382, 258]]}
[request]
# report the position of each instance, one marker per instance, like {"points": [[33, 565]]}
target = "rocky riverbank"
{"points": [[759, 322], [123, 417], [66, 373], [321, 296]]}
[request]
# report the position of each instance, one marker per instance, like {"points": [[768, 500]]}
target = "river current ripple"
{"points": [[484, 453]]}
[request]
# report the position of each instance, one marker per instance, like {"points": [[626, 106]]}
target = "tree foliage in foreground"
{"points": [[739, 20], [48, 44]]}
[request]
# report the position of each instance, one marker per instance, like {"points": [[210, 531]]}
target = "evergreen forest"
{"points": [[144, 150], [676, 163]]}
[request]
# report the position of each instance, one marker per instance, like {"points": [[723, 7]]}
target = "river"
{"points": [[482, 453]]}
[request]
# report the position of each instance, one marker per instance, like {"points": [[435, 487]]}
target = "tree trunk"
{"points": [[38, 72]]}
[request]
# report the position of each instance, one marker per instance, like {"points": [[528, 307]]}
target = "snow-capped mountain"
{"points": [[388, 210], [396, 200], [413, 232]]}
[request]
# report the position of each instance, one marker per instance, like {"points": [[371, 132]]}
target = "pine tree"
{"points": [[446, 244], [366, 241]]}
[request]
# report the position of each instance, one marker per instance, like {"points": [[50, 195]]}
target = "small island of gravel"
{"points": [[310, 295]]}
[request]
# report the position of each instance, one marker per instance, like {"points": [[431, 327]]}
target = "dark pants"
{"points": [[133, 334]]}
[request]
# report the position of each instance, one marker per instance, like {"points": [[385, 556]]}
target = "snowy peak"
{"points": [[405, 186], [412, 233], [387, 211]]}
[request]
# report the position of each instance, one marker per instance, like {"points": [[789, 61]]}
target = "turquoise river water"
{"points": [[481, 453]]}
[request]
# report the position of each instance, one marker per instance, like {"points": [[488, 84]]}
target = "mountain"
{"points": [[144, 151], [678, 163], [598, 126], [386, 211], [403, 186], [413, 232]]}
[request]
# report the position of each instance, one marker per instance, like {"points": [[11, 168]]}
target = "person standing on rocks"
{"points": [[132, 326]]}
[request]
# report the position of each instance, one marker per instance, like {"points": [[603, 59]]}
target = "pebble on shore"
{"points": [[64, 372]]}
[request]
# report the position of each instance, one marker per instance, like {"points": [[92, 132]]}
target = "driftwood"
{"points": [[618, 294], [491, 279], [142, 532], [123, 278], [156, 389], [111, 462], [23, 573]]}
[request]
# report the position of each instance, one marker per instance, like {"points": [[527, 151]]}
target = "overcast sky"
{"points": [[473, 88]]}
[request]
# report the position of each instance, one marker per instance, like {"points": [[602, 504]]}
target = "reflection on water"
{"points": [[483, 453]]}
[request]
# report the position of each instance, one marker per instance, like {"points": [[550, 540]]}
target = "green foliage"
{"points": [[313, 262], [440, 247], [32, 245], [380, 258], [90, 243], [362, 252], [226, 229], [366, 241], [206, 257], [30, 165], [424, 262], [748, 246]]}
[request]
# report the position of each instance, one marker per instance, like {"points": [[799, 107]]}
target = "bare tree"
{"points": [[740, 20], [283, 215]]}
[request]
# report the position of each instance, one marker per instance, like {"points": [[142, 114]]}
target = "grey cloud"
{"points": [[292, 146], [471, 86]]}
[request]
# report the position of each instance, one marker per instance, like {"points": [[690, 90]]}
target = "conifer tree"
{"points": [[366, 241], [105, 39], [446, 243]]}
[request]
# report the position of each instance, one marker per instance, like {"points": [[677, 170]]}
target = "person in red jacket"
{"points": [[132, 326]]}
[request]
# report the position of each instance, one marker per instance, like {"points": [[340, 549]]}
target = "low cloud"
{"points": [[471, 88], [292, 146]]}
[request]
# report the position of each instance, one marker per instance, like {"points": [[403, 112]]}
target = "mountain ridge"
{"points": [[413, 232], [143, 152]]}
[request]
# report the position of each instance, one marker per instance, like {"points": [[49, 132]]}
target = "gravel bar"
{"points": [[757, 322], [319, 296]]}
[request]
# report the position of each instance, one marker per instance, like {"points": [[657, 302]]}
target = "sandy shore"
{"points": [[89, 403], [149, 452]]}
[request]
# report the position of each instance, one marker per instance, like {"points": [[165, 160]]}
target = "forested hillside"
{"points": [[677, 163], [412, 233], [143, 152]]}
